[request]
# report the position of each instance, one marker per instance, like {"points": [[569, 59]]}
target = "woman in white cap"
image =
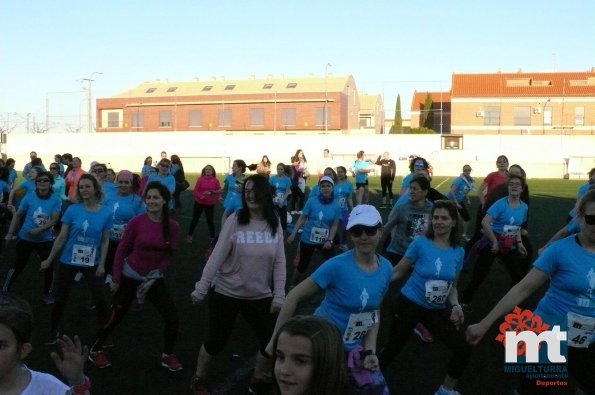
{"points": [[320, 219], [353, 283]]}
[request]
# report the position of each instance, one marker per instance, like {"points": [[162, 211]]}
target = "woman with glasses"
{"points": [[124, 204], [37, 214], [353, 284], [82, 247], [568, 265], [164, 176], [503, 239], [59, 186], [244, 275], [430, 294], [416, 164]]}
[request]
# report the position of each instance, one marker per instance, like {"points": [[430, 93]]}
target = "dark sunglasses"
{"points": [[42, 180], [357, 231], [590, 219]]}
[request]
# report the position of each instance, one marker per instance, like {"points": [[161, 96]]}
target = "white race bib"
{"points": [[437, 291], [359, 324], [580, 330], [318, 235], [116, 232], [83, 255], [510, 230]]}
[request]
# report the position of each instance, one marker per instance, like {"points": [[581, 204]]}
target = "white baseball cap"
{"points": [[327, 179], [364, 215]]}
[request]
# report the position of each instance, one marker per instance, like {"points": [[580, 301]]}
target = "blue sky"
{"points": [[389, 47]]}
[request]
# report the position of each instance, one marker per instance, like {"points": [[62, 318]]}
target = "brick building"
{"points": [[270, 104]]}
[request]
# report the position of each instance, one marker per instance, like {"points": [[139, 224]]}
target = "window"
{"points": [[225, 118], [522, 116], [138, 119], [291, 85], [547, 116], [491, 116], [229, 87], [150, 90], [172, 88], [207, 88], [452, 142], [113, 119], [194, 117], [257, 117], [579, 116], [319, 114], [164, 119], [288, 117], [267, 86]]}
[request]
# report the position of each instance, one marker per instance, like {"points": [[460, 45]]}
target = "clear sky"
{"points": [[390, 47]]}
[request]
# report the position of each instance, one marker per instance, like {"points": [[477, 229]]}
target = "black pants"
{"points": [[306, 252], [515, 264], [296, 198], [110, 256], [282, 212], [161, 299], [209, 212], [23, 251], [407, 315], [386, 183], [223, 311], [64, 279]]}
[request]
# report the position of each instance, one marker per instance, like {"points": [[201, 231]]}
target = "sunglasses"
{"points": [[42, 180], [98, 171], [590, 219], [357, 231]]}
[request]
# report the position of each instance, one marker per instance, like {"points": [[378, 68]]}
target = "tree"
{"points": [[398, 123], [428, 116]]}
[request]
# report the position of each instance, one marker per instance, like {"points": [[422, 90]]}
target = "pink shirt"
{"points": [[492, 180], [143, 247], [206, 184], [246, 259]]}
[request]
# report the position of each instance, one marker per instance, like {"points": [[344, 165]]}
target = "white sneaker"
{"points": [[108, 279], [78, 277]]}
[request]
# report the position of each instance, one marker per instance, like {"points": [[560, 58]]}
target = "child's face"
{"points": [[10, 353], [293, 364]]}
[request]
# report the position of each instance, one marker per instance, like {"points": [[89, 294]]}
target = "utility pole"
{"points": [[89, 110]]}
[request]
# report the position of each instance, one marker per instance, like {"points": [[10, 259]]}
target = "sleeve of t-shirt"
{"points": [[495, 209], [460, 257], [324, 275], [68, 215], [307, 208], [547, 262], [412, 251], [24, 204]]}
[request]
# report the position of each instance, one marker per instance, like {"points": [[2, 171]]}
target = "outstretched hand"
{"points": [[72, 361]]}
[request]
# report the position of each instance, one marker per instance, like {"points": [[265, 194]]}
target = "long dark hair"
{"points": [[457, 230], [165, 195], [264, 197]]}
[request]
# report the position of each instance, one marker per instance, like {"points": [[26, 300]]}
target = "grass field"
{"points": [[136, 368]]}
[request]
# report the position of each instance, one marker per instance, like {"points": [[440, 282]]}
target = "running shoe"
{"points": [[171, 362], [198, 386], [444, 391], [423, 333], [99, 359]]}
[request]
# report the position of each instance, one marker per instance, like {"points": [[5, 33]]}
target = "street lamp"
{"points": [[89, 113], [325, 117]]}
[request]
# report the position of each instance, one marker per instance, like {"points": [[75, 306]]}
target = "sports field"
{"points": [[418, 370]]}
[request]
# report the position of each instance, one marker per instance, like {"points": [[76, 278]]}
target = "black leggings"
{"points": [[161, 299], [306, 252], [23, 251], [209, 212], [407, 315], [515, 264], [386, 183], [64, 279], [223, 311]]}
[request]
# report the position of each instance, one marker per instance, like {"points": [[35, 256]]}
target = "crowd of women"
{"points": [[120, 230]]}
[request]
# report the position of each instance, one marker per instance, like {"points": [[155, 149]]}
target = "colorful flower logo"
{"points": [[520, 321]]}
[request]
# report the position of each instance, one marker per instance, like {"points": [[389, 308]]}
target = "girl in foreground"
{"points": [[309, 358]]}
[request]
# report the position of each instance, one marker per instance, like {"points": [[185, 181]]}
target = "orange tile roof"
{"points": [[420, 97], [524, 84]]}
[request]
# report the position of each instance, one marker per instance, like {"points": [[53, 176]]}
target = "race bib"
{"points": [[437, 291], [318, 235], [41, 220], [510, 230], [83, 255], [580, 330], [359, 324], [116, 232]]}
